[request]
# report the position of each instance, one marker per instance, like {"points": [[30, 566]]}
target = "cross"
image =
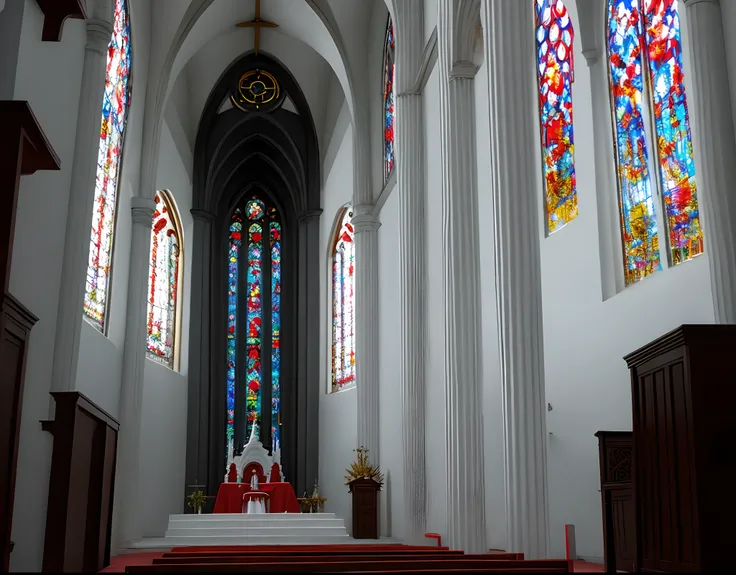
{"points": [[257, 24]]}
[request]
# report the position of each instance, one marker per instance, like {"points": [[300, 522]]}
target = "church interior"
{"points": [[352, 279]]}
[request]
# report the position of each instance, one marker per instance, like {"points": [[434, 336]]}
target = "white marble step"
{"points": [[166, 543], [249, 531], [245, 517], [257, 524]]}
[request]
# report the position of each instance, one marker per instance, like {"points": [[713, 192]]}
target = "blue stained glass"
{"points": [[388, 101], [276, 334], [254, 371], [672, 123], [236, 227], [638, 220]]}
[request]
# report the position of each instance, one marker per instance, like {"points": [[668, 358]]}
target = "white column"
{"points": [[81, 200], [411, 192], [127, 491], [715, 150], [461, 262], [366, 326], [509, 54]]}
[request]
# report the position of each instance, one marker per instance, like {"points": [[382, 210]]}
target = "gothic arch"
{"points": [[275, 154]]}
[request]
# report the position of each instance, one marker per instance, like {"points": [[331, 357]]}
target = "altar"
{"points": [[281, 498]]}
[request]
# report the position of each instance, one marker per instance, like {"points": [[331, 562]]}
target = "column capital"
{"points": [[142, 210], [464, 70], [364, 221], [202, 215], [98, 35], [309, 215], [591, 56]]}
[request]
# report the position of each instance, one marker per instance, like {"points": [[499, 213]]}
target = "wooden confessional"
{"points": [[683, 388]]}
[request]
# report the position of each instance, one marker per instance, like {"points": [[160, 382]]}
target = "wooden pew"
{"points": [[348, 566], [321, 558]]}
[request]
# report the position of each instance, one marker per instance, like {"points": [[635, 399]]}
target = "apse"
{"points": [[254, 345]]}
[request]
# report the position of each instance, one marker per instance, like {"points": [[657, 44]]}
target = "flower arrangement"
{"points": [[196, 501], [361, 469]]}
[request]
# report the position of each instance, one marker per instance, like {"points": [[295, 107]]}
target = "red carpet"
{"points": [[118, 563]]}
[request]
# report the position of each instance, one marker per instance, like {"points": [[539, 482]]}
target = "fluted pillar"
{"points": [[715, 150], [366, 326], [81, 200], [411, 192], [461, 264], [127, 490], [509, 53]]}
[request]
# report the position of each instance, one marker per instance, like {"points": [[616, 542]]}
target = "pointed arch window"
{"points": [[254, 322], [388, 101], [343, 303], [555, 75], [115, 104], [649, 105], [164, 281]]}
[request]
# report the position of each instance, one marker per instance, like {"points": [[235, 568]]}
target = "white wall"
{"points": [[39, 243], [37, 255], [164, 416], [391, 455], [585, 338], [338, 413]]}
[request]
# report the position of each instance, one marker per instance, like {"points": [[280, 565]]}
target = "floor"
{"points": [[118, 563]]}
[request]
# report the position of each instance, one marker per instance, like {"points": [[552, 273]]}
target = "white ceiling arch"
{"points": [[312, 22]]}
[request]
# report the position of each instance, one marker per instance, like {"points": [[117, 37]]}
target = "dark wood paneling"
{"points": [[615, 452], [24, 150], [79, 516], [683, 389], [15, 327], [55, 14]]}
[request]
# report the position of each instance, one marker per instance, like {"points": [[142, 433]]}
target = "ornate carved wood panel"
{"points": [[615, 449]]}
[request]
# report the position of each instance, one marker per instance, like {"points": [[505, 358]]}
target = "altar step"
{"points": [[257, 529]]}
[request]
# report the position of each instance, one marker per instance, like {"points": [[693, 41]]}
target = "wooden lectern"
{"points": [[683, 390], [365, 508], [23, 151]]}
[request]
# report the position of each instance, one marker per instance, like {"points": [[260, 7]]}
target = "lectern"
{"points": [[365, 508], [683, 390], [24, 150]]}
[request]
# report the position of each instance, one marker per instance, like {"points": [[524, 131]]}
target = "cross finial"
{"points": [[257, 24]]}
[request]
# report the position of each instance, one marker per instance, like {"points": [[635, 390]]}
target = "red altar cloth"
{"points": [[281, 497]]}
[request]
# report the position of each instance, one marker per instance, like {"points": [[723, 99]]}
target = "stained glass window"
{"points": [[388, 101], [645, 61], [555, 73], [115, 104], [343, 314], [254, 322], [163, 281]]}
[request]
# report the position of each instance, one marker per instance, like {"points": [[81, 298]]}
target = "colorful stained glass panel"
{"points": [[555, 71], [235, 240], [343, 317], [115, 103], [254, 318], [638, 220], [275, 334], [388, 101], [163, 283], [672, 125]]}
